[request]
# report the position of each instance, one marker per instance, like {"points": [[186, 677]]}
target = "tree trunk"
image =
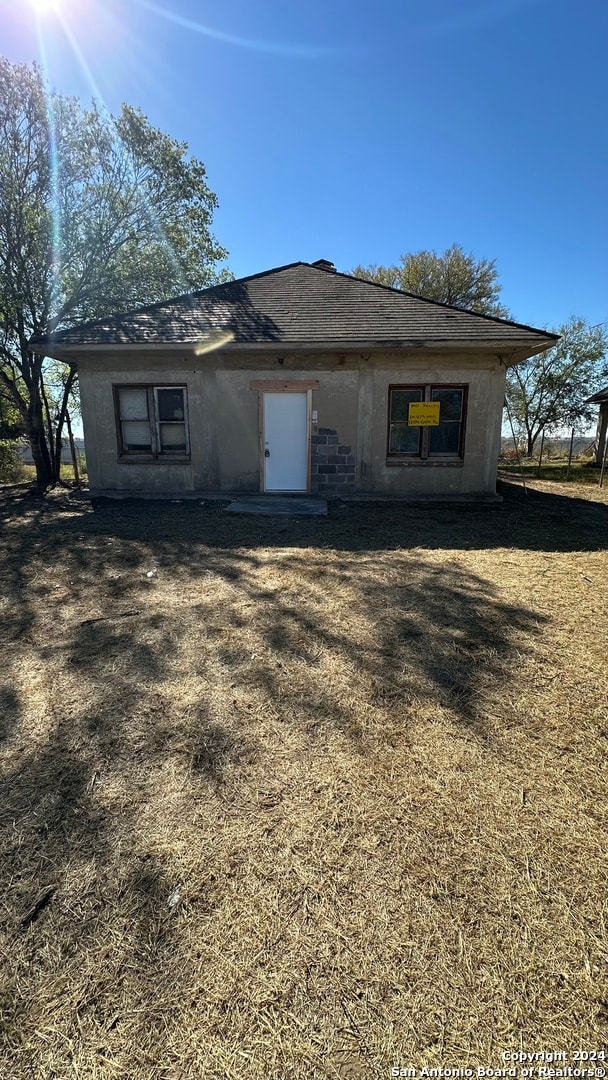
{"points": [[45, 473], [54, 458], [73, 450], [63, 417]]}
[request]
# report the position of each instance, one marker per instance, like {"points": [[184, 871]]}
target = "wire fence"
{"points": [[567, 456]]}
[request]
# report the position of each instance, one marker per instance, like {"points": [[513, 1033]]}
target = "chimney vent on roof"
{"points": [[325, 264]]}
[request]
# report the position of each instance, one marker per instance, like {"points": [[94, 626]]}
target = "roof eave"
{"points": [[520, 354], [509, 352]]}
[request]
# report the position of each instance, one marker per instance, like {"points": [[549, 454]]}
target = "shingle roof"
{"points": [[300, 304]]}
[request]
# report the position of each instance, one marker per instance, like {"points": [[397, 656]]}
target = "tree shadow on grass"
{"points": [[126, 568], [435, 633], [89, 902], [536, 521], [10, 711], [317, 625]]}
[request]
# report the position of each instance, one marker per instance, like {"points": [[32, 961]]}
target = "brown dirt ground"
{"points": [[316, 798]]}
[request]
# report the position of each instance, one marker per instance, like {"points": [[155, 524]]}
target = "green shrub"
{"points": [[11, 463]]}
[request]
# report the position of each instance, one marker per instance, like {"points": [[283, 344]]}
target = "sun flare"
{"points": [[41, 7]]}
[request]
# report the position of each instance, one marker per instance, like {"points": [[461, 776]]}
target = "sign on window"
{"points": [[423, 413]]}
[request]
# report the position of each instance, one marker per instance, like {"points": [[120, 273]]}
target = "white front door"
{"points": [[286, 441]]}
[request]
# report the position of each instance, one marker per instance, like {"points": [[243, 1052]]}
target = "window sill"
{"points": [[427, 463]]}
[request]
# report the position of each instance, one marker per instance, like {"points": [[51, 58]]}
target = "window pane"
{"points": [[400, 400], [133, 404], [170, 404], [404, 439], [173, 438], [444, 439], [451, 404], [136, 436]]}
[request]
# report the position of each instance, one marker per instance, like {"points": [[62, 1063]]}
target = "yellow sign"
{"points": [[423, 413]]}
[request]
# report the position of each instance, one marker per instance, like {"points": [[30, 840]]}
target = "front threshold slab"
{"points": [[278, 505]]}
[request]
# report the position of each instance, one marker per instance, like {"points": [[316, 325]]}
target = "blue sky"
{"points": [[357, 131]]}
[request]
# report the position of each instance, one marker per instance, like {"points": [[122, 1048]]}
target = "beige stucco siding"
{"points": [[104, 468], [476, 473], [337, 403], [351, 404], [238, 437], [239, 418]]}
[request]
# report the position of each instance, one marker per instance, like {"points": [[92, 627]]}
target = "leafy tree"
{"points": [[548, 391], [11, 423], [97, 214], [453, 278]]}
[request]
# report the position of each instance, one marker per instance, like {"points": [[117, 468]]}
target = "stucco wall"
{"points": [[104, 468], [224, 421], [238, 430], [476, 473]]}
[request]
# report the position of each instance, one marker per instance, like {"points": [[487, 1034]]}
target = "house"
{"points": [[601, 399], [299, 379], [25, 451]]}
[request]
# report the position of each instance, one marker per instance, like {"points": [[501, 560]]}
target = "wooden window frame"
{"points": [[156, 453], [424, 455]]}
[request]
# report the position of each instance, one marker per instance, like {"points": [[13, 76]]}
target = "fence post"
{"points": [[570, 454]]}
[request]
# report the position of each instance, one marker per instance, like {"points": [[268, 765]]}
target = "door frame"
{"points": [[276, 386]]}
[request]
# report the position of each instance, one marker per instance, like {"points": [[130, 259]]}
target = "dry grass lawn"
{"points": [[302, 798]]}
